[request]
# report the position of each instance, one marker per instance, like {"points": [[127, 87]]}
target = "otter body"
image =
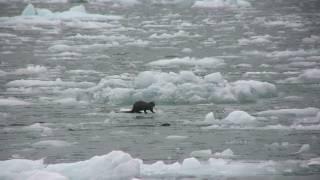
{"points": [[142, 106]]}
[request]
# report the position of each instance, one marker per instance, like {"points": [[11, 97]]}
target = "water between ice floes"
{"points": [[238, 82]]}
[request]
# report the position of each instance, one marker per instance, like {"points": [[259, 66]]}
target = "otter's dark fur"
{"points": [[142, 106]]}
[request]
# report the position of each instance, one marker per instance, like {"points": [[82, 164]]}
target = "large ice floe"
{"points": [[281, 119], [182, 87], [32, 16], [119, 165]]}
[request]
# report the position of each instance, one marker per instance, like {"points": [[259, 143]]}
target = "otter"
{"points": [[142, 105]]}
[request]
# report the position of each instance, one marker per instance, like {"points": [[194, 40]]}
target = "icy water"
{"points": [[237, 81]]}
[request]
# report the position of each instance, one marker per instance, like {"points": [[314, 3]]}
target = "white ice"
{"points": [[12, 101], [180, 87], [211, 62], [310, 111], [307, 76], [119, 165], [51, 143], [221, 3]]}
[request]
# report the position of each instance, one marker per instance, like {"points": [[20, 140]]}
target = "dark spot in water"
{"points": [[165, 124]]}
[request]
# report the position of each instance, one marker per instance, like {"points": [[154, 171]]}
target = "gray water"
{"points": [[100, 48]]}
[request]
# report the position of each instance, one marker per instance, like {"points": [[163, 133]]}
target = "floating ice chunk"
{"points": [[59, 48], [313, 39], [242, 65], [201, 153], [190, 164], [51, 143], [29, 10], [314, 162], [210, 118], [115, 165], [180, 87], [278, 146], [308, 76], [310, 111], [264, 73], [40, 83], [221, 3], [176, 137], [174, 35], [251, 90], [40, 174], [318, 116], [211, 62], [186, 50], [227, 153], [254, 40], [10, 169], [11, 101], [45, 131], [126, 3], [70, 101], [292, 53], [3, 73], [214, 78], [240, 118], [74, 12], [31, 69], [304, 148]]}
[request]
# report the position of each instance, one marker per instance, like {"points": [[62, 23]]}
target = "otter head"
{"points": [[152, 104]]}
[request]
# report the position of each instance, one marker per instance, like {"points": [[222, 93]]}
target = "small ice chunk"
{"points": [[11, 101], [240, 117], [51, 143], [176, 137], [201, 153], [45, 131], [304, 148], [210, 118], [227, 153], [186, 50], [29, 10], [190, 164], [314, 162]]}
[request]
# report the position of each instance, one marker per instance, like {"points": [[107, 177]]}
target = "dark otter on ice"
{"points": [[142, 106]]}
